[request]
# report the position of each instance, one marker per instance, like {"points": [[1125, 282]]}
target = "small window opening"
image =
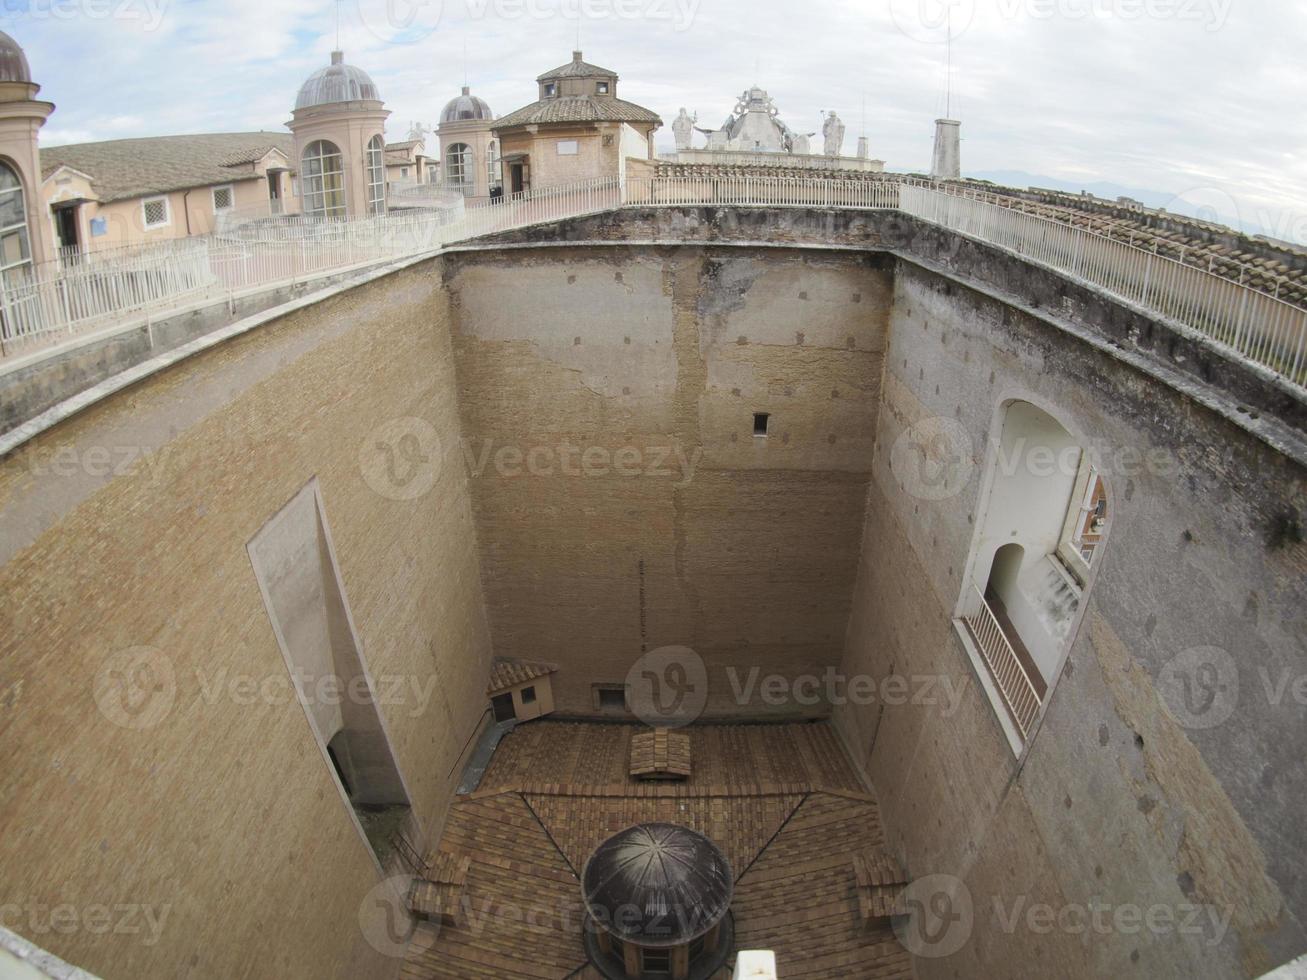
{"points": [[657, 961], [601, 88], [610, 697], [760, 422], [528, 695]]}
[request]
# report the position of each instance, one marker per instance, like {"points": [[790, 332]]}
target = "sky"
{"points": [[1193, 104]]}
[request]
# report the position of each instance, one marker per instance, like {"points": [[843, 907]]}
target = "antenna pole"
{"points": [[948, 81], [337, 25]]}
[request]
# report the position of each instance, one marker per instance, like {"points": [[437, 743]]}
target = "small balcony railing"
{"points": [[1014, 683]]}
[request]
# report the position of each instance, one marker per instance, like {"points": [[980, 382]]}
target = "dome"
{"points": [[464, 107], [338, 82], [13, 63], [657, 885]]}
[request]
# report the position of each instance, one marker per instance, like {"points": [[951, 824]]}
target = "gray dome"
{"points": [[338, 82], [657, 884], [464, 107], [13, 63]]}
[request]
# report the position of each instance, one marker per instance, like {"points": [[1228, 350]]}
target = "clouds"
{"points": [[1189, 97]]}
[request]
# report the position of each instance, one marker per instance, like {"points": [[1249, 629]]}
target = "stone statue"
{"points": [[833, 130], [683, 129], [418, 132]]}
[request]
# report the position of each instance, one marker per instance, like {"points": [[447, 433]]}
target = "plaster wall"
{"points": [[1129, 796], [156, 756]]}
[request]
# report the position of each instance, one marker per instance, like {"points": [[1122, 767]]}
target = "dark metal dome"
{"points": [[13, 63], [657, 884], [464, 107], [338, 82]]}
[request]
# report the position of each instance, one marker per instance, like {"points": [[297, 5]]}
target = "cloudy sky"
{"points": [[1199, 102]]}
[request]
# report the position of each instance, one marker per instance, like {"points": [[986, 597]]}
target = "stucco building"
{"points": [[469, 152], [577, 129]]}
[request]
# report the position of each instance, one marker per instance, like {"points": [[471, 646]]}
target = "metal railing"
{"points": [[94, 289], [1005, 666], [762, 192], [1256, 324]]}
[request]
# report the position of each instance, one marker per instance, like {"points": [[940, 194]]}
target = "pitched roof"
{"points": [[506, 673], [576, 68], [578, 108], [124, 169]]}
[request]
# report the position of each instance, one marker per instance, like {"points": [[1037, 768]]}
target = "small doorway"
{"points": [[65, 220], [274, 192], [517, 178], [503, 705]]}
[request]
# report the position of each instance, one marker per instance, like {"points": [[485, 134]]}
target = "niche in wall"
{"points": [[295, 564]]}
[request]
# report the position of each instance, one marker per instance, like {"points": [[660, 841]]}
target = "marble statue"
{"points": [[683, 129], [833, 131], [418, 132]]}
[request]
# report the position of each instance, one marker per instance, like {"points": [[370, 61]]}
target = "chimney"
{"points": [[947, 162], [338, 57], [576, 55]]}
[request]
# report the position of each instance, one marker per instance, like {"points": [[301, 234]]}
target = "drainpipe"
{"points": [[186, 206]]}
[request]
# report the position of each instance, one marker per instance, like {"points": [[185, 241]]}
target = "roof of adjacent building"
{"points": [[124, 169], [506, 673], [338, 82], [578, 108], [576, 68], [466, 106], [13, 63]]}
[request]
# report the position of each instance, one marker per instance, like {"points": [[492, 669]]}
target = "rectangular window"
{"points": [[156, 212], [550, 88], [529, 695], [657, 961], [224, 198], [610, 697], [601, 88], [760, 422], [568, 148]]}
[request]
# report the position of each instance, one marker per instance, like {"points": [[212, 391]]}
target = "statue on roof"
{"points": [[418, 132], [683, 129], [833, 131]]}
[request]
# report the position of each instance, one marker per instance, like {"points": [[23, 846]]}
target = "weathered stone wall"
{"points": [[204, 796], [622, 499], [1117, 803]]}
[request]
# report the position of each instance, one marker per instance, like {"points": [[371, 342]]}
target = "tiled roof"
{"points": [[576, 68], [578, 108], [510, 673], [124, 169]]}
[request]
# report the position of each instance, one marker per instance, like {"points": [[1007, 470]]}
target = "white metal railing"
{"points": [[762, 191], [1254, 323], [93, 289], [1005, 666]]}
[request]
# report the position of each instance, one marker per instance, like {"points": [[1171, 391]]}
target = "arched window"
{"points": [[1043, 526], [494, 165], [460, 174], [323, 180], [374, 165], [15, 242]]}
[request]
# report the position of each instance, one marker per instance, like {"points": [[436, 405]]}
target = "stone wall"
{"points": [[201, 797], [1125, 800], [622, 498]]}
